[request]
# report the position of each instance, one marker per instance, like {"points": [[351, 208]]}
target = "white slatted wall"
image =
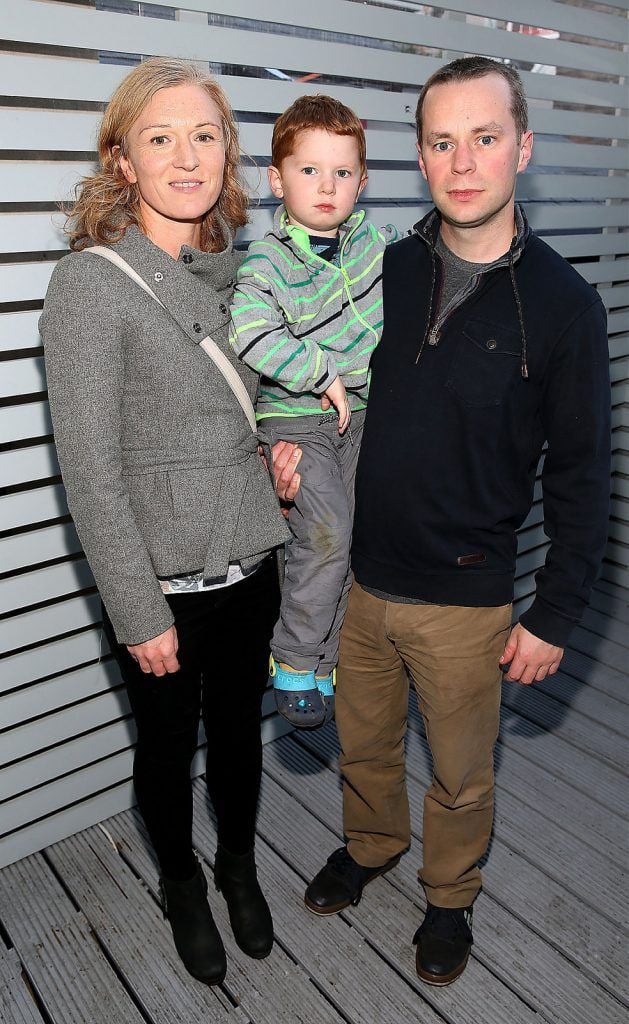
{"points": [[65, 736]]}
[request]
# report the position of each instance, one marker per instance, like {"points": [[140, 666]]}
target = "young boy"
{"points": [[307, 314]]}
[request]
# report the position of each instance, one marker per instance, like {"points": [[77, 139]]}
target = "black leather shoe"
{"points": [[443, 941], [249, 914], [341, 883], [196, 936]]}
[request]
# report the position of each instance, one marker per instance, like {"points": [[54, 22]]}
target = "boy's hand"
{"points": [[338, 397]]}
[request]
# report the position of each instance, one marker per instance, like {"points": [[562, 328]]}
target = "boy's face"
{"points": [[320, 181]]}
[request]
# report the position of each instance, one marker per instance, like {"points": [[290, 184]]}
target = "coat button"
{"points": [[158, 276], [492, 344], [197, 328], [223, 307], [187, 258]]}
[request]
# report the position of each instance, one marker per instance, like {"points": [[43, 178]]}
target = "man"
{"points": [[492, 345]]}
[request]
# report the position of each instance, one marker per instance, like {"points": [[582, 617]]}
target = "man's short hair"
{"points": [[466, 68], [309, 113]]}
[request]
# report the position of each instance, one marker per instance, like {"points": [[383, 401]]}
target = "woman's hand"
{"points": [[158, 655], [286, 456]]}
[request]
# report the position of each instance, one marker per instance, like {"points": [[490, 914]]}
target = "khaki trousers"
{"points": [[451, 654]]}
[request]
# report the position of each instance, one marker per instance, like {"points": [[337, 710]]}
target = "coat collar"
{"points": [[196, 288]]}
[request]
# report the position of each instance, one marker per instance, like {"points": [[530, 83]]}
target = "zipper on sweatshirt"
{"points": [[435, 332]]}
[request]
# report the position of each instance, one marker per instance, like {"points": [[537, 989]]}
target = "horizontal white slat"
{"points": [[36, 463], [70, 131], [589, 245], [65, 822], [32, 627], [34, 182], [341, 18], [559, 16], [59, 656], [620, 530], [22, 377], [80, 785], [20, 75], [43, 181], [79, 79], [108, 706], [618, 322], [60, 823], [29, 281], [50, 764], [44, 584], [615, 297], [576, 216], [617, 369], [36, 546], [31, 232], [54, 24], [33, 506], [533, 185], [81, 751], [19, 422], [532, 537], [38, 76], [20, 282], [605, 270], [18, 330], [53, 695]]}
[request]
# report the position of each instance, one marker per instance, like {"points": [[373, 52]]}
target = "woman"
{"points": [[170, 498]]}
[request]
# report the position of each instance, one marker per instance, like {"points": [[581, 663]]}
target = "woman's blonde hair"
{"points": [[106, 203]]}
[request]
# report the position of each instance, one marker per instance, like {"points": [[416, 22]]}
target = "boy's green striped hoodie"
{"points": [[300, 321]]}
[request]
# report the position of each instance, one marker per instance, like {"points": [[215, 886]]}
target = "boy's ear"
{"points": [[275, 181], [363, 182]]}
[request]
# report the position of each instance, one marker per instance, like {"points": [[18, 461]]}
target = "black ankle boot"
{"points": [[196, 936], [249, 914]]}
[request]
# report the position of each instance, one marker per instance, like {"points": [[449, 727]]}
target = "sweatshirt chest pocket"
{"points": [[485, 364]]}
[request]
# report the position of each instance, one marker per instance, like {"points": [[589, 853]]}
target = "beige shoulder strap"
{"points": [[208, 344]]}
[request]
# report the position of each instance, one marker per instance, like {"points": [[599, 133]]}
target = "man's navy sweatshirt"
{"points": [[453, 438]]}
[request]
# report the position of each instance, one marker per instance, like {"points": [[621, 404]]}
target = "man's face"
{"points": [[469, 152]]}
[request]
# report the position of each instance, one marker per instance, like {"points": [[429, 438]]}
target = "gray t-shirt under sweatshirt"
{"points": [[458, 274]]}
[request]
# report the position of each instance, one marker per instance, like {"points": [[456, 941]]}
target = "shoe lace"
{"points": [[447, 924], [345, 866]]}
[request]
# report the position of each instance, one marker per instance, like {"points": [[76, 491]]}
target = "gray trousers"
{"points": [[318, 577]]}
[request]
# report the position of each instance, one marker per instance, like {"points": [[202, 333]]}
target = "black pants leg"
{"points": [[224, 640]]}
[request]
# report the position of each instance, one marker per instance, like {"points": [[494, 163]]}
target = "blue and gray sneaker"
{"points": [[297, 696]]}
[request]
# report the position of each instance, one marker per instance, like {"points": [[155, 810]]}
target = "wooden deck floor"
{"points": [[82, 940]]}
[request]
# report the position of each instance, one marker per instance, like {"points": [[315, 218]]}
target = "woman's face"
{"points": [[176, 155]]}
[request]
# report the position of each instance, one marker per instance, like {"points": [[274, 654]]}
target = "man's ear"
{"points": [[526, 150], [125, 165], [420, 160], [275, 181]]}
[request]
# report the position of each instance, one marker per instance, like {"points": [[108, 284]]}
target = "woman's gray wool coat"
{"points": [[159, 463]]}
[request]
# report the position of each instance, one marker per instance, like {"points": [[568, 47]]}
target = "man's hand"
{"points": [[286, 456], [531, 659], [158, 655], [337, 395]]}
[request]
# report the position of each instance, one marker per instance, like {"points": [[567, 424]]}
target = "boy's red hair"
{"points": [[309, 113]]}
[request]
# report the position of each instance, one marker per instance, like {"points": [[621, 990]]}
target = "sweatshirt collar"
{"points": [[429, 226], [300, 237]]}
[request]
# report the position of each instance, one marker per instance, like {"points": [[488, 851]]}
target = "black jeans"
{"points": [[224, 640]]}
